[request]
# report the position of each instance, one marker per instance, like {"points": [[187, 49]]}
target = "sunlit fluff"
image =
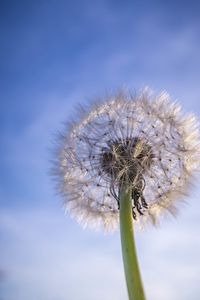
{"points": [[144, 139]]}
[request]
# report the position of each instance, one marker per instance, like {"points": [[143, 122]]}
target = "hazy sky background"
{"points": [[55, 54]]}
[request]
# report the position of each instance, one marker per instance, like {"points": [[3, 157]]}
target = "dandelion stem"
{"points": [[131, 267]]}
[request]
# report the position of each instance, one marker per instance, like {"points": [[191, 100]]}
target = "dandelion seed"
{"points": [[145, 141]]}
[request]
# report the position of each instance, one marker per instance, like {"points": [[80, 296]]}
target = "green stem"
{"points": [[131, 267]]}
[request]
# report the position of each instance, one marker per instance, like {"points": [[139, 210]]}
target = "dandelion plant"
{"points": [[127, 160]]}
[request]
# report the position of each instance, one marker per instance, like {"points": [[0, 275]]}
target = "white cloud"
{"points": [[43, 260]]}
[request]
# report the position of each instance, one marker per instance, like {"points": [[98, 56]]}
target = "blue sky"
{"points": [[55, 54]]}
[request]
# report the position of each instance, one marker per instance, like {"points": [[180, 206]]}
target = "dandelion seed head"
{"points": [[144, 140]]}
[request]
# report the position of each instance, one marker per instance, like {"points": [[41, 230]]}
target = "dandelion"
{"points": [[128, 159]]}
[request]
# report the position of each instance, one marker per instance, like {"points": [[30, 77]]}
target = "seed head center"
{"points": [[126, 158]]}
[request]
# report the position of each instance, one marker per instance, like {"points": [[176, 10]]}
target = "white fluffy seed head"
{"points": [[145, 139]]}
